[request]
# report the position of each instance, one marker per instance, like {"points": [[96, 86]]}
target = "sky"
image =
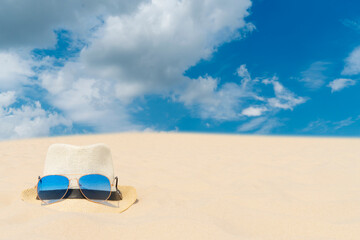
{"points": [[279, 67]]}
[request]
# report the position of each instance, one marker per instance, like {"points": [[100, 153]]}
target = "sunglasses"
{"points": [[93, 187]]}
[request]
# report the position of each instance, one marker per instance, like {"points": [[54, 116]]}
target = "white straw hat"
{"points": [[75, 161]]}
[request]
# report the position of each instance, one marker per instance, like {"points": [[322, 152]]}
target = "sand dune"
{"points": [[194, 186]]}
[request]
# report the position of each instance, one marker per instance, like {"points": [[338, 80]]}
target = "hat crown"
{"points": [[65, 159]]}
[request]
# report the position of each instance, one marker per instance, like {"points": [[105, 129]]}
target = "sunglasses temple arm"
{"points": [[116, 186]]}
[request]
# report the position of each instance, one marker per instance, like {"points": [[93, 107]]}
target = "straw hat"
{"points": [[70, 161]]}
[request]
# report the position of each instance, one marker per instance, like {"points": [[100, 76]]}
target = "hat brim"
{"points": [[82, 205]]}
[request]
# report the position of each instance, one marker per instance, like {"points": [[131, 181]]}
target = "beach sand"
{"points": [[198, 186]]}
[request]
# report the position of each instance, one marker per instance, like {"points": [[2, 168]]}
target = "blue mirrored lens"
{"points": [[52, 188], [95, 187]]}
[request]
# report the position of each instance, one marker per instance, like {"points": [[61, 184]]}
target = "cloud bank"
{"points": [[129, 50], [146, 52]]}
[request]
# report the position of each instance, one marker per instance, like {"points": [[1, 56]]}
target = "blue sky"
{"points": [[235, 66]]}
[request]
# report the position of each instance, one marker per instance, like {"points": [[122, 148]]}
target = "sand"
{"points": [[197, 186]]}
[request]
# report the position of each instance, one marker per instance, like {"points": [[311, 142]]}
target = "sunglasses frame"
{"points": [[62, 198]]}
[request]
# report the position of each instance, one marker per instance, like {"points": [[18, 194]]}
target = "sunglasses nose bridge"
{"points": [[73, 182]]}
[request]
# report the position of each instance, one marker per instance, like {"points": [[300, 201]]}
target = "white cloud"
{"points": [[314, 77], [201, 90], [212, 102], [243, 72], [146, 52], [284, 99], [269, 126], [93, 103], [341, 83], [261, 125], [320, 125], [344, 123], [326, 126], [352, 66], [15, 70], [7, 98], [252, 124], [151, 48], [29, 120], [254, 111]]}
